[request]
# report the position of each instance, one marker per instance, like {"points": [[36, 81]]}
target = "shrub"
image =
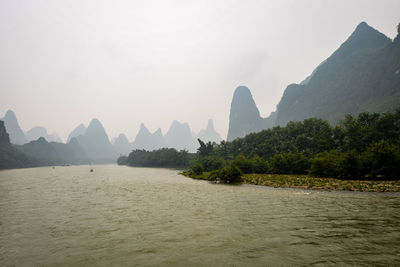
{"points": [[350, 165], [244, 164], [382, 159], [229, 174], [122, 160], [325, 164], [289, 163], [259, 164], [211, 163], [196, 168]]}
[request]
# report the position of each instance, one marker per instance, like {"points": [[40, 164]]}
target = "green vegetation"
{"points": [[360, 76], [122, 160], [366, 147], [310, 182], [10, 157], [164, 157]]}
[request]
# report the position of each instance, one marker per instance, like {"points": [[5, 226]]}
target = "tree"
{"points": [[243, 164], [205, 149], [229, 174], [212, 163], [382, 159], [325, 164]]}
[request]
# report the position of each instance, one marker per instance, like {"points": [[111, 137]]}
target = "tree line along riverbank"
{"points": [[307, 154]]}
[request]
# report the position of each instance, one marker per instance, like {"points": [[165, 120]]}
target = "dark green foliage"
{"points": [[122, 160], [165, 157], [228, 174], [259, 164], [289, 163], [244, 164], [10, 157], [325, 164], [350, 165], [196, 168], [383, 159], [358, 147], [205, 149], [329, 151], [310, 136], [212, 163]]}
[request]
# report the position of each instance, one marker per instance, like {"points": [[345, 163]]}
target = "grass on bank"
{"points": [[310, 182]]}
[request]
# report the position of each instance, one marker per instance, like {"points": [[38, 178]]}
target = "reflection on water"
{"points": [[139, 216]]}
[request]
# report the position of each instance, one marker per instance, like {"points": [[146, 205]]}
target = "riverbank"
{"points": [[316, 183]]}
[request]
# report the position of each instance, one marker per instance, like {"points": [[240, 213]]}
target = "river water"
{"points": [[123, 216]]}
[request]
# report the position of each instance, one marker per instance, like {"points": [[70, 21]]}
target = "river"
{"points": [[124, 216]]}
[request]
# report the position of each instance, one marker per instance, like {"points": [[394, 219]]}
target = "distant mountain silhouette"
{"points": [[36, 132], [148, 141], [122, 145], [96, 143], [209, 134], [180, 137], [158, 139], [17, 136], [79, 130], [53, 153], [362, 75], [10, 157]]}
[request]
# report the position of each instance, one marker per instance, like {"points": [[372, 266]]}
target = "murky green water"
{"points": [[125, 216]]}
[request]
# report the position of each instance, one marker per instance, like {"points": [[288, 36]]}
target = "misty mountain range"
{"points": [[362, 75], [93, 144]]}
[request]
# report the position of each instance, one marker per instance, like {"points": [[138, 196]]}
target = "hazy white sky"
{"points": [[63, 63]]}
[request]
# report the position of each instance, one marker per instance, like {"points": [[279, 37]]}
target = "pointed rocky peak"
{"points": [[96, 128], [122, 145], [243, 101], [179, 136], [177, 127], [95, 123], [209, 134], [210, 125], [96, 143], [121, 140], [95, 132], [144, 138], [149, 141], [79, 130], [363, 37], [175, 124], [17, 136], [10, 115], [364, 30], [41, 140], [244, 117], [143, 128], [158, 133], [363, 26]]}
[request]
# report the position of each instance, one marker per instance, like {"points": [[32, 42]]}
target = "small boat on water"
{"points": [[91, 170]]}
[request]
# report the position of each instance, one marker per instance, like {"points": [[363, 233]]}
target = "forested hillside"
{"points": [[363, 75]]}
